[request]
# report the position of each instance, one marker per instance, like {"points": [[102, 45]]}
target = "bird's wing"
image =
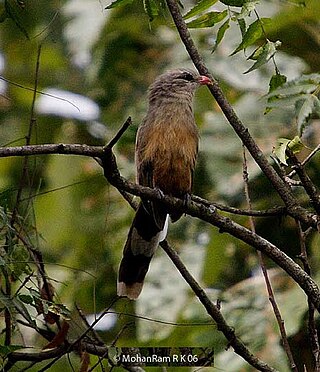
{"points": [[154, 208]]}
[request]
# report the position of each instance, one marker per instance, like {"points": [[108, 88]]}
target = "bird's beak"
{"points": [[204, 80]]}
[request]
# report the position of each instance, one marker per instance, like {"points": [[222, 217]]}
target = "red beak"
{"points": [[204, 80]]}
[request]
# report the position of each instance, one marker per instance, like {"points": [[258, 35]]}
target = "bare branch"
{"points": [[312, 328], [116, 138], [306, 182], [275, 211], [270, 291], [306, 160], [215, 313], [294, 209], [224, 224], [46, 149], [192, 208]]}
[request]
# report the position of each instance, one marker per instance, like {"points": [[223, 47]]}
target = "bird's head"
{"points": [[176, 82]]}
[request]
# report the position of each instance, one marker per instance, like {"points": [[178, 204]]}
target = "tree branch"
{"points": [[46, 149], [275, 211], [214, 312], [206, 213], [312, 327], [98, 151], [264, 270], [225, 224], [293, 208], [306, 182]]}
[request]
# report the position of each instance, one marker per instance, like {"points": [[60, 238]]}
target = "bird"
{"points": [[165, 155]]}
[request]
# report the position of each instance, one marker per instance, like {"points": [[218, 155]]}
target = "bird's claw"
{"points": [[160, 192], [186, 199]]}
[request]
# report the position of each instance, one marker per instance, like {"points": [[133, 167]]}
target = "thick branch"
{"points": [[45, 149], [224, 224], [206, 213], [215, 313], [98, 151], [294, 209]]}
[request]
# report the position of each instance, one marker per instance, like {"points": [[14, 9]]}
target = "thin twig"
{"points": [[312, 328], [23, 177], [306, 160], [78, 340], [28, 140], [118, 135], [97, 151], [306, 181], [85, 321], [214, 312], [39, 92], [275, 211], [271, 295]]}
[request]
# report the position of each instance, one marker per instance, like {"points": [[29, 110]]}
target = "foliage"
{"points": [[62, 227]]}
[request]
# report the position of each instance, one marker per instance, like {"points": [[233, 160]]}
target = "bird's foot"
{"points": [[160, 192], [186, 199]]}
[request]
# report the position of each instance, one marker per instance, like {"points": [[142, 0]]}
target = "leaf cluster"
{"points": [[302, 94]]}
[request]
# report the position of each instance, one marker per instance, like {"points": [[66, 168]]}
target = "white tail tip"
{"points": [[131, 291]]}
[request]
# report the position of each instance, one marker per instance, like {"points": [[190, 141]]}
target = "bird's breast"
{"points": [[171, 147]]}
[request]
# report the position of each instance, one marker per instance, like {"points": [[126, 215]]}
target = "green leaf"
{"points": [[151, 8], [117, 3], [295, 145], [19, 263], [233, 2], [59, 309], [14, 11], [280, 102], [208, 20], [6, 350], [317, 107], [248, 7], [200, 7], [263, 54], [280, 150], [292, 90], [253, 33], [305, 108], [242, 26], [289, 92], [222, 30], [276, 81], [26, 299]]}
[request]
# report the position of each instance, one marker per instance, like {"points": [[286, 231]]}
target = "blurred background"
{"points": [[95, 66]]}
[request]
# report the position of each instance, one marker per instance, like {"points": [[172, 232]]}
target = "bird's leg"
{"points": [[186, 199], [159, 192]]}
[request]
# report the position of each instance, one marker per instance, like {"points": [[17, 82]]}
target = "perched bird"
{"points": [[165, 155]]}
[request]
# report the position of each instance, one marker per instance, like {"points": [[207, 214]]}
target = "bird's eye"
{"points": [[187, 76]]}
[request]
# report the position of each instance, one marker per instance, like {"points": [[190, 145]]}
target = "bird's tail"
{"points": [[143, 239]]}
